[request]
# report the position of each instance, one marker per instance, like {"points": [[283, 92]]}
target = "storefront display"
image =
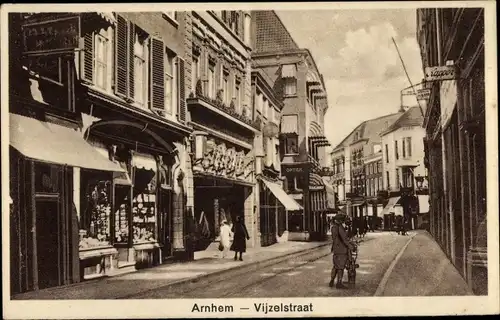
{"points": [[95, 224], [144, 218]]}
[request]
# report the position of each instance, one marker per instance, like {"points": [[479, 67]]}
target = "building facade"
{"points": [[402, 167], [357, 169], [273, 204], [455, 147], [299, 84], [224, 121], [108, 91]]}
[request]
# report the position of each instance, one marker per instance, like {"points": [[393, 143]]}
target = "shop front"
{"points": [[275, 206], [44, 157], [223, 186], [141, 202], [388, 213]]}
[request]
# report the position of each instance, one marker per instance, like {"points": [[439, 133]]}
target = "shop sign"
{"points": [[448, 95], [57, 35], [325, 172], [295, 169], [423, 94], [441, 73], [316, 188]]}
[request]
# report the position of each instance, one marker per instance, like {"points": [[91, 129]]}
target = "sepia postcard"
{"points": [[226, 160]]}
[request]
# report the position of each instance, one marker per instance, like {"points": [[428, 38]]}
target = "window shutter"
{"points": [[87, 65], [157, 75], [181, 112], [131, 63], [121, 57]]}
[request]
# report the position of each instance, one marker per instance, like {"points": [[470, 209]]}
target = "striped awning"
{"points": [[289, 71], [289, 124], [318, 201], [144, 161], [316, 182], [390, 205]]}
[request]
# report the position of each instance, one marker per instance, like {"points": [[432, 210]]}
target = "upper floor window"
{"points": [[290, 86], [225, 87], [407, 147], [195, 71], [387, 179], [140, 69], [237, 93], [396, 149], [386, 153], [272, 114], [170, 87], [291, 144], [171, 14], [101, 61], [266, 109], [211, 80]]}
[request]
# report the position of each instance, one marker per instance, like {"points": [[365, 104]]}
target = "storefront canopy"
{"points": [[54, 143], [280, 194], [330, 194], [392, 202]]}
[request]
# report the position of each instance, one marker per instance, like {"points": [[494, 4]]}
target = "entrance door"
{"points": [[48, 242], [165, 209]]}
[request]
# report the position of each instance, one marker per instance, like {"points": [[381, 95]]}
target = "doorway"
{"points": [[48, 241], [165, 223]]}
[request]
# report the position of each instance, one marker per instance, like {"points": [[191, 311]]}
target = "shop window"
{"points": [[144, 206], [122, 213], [46, 178], [95, 219], [296, 222]]}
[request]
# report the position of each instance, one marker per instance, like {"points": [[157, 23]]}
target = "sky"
{"points": [[354, 51]]}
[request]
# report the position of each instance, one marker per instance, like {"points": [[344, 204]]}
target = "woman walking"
{"points": [[240, 236], [225, 238]]}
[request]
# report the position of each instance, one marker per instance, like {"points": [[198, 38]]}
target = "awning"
{"points": [[316, 182], [49, 142], [122, 178], [288, 71], [392, 202], [280, 194], [144, 161], [318, 200], [108, 16], [289, 124], [423, 203]]}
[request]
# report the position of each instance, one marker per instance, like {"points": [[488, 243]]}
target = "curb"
{"points": [[265, 263]]}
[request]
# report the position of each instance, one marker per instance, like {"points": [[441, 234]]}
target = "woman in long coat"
{"points": [[240, 236]]}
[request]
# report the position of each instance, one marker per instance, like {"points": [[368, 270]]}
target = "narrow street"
{"points": [[307, 275]]}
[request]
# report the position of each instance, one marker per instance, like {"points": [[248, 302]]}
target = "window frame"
{"points": [[172, 77], [290, 81], [145, 64], [105, 63]]}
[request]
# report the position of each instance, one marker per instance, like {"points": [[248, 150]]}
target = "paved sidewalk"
{"points": [[206, 263], [424, 270]]}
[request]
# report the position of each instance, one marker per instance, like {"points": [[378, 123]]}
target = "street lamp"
{"points": [[420, 181]]}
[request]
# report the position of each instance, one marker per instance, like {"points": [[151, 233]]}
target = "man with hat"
{"points": [[340, 248]]}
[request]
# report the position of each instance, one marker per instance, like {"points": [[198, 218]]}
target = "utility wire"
{"points": [[406, 72]]}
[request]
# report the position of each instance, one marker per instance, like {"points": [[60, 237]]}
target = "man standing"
{"points": [[340, 249]]}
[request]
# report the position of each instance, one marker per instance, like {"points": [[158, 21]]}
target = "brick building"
{"points": [[297, 81], [455, 146]]}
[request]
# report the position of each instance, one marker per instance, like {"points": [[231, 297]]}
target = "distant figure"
{"points": [[341, 247], [240, 236], [225, 238]]}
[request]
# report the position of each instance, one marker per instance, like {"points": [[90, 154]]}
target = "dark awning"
{"points": [[49, 142]]}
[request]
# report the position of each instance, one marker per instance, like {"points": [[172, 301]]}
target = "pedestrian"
{"points": [[225, 238], [340, 248], [240, 236]]}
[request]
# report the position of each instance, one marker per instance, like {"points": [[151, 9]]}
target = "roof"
{"points": [[411, 118], [370, 129], [270, 33]]}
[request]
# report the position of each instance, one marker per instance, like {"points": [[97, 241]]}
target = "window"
{"points": [[266, 109], [387, 179], [386, 153], [407, 178], [290, 86], [379, 167], [237, 94], [398, 182], [368, 186], [260, 102], [195, 72], [404, 147], [101, 61], [225, 87], [211, 80], [300, 182], [169, 82], [171, 14], [140, 69], [396, 149], [271, 113], [291, 146], [408, 146]]}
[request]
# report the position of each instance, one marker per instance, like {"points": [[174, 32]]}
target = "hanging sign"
{"points": [[441, 73], [57, 35], [448, 95], [423, 94]]}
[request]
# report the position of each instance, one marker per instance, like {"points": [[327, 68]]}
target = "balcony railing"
{"points": [[230, 109]]}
